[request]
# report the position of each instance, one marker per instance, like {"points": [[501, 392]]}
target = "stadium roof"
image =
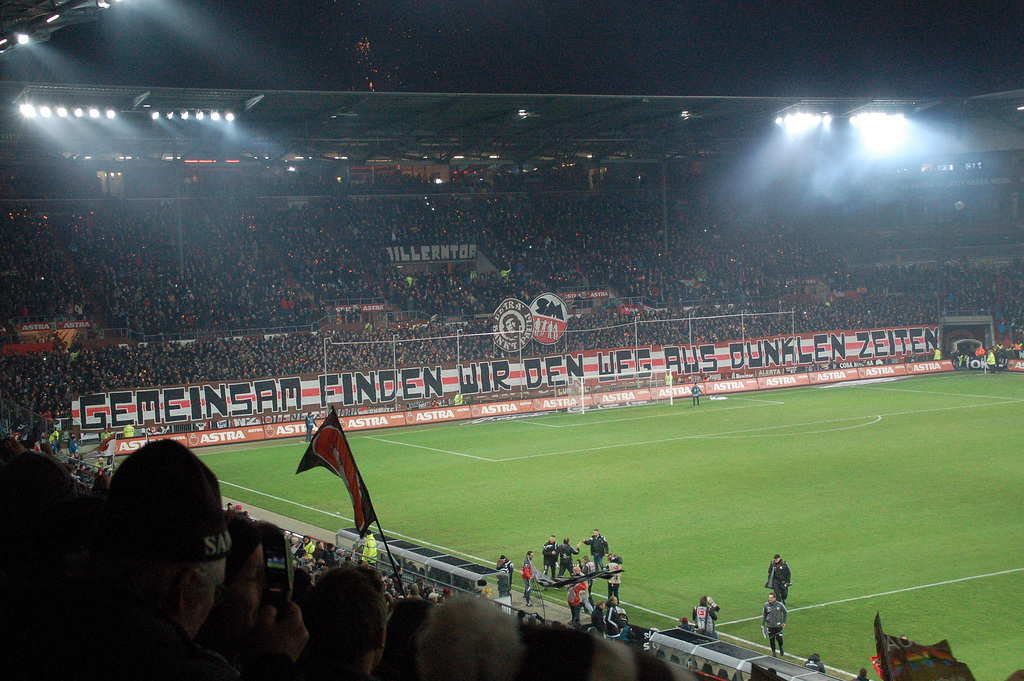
{"points": [[423, 128]]}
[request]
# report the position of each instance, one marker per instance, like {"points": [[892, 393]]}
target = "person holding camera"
{"points": [[256, 575], [704, 616]]}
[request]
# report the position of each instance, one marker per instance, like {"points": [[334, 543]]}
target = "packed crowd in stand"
{"points": [[149, 577], [247, 264]]}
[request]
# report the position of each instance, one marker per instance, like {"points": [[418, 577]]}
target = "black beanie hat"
{"points": [[164, 505]]}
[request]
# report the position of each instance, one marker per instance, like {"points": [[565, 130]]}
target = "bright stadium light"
{"points": [[94, 113], [880, 132], [199, 115], [45, 111], [78, 112], [111, 113], [23, 39], [27, 110], [155, 115], [215, 115], [62, 111], [229, 116], [184, 115]]}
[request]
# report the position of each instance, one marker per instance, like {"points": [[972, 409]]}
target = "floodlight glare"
{"points": [[62, 112], [155, 115], [22, 39], [94, 113], [184, 115], [229, 116], [199, 115], [27, 110], [880, 132], [78, 112], [170, 115], [111, 113], [215, 115], [45, 112]]}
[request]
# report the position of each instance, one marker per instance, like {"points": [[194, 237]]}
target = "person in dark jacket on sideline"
{"points": [[779, 578]]}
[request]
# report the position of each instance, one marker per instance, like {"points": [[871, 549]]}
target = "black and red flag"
{"points": [[329, 448]]}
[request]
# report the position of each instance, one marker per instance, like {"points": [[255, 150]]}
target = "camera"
{"points": [[277, 566]]}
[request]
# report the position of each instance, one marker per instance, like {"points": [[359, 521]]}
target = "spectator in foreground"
{"points": [[156, 563], [470, 640], [408, 616], [242, 617], [347, 618]]}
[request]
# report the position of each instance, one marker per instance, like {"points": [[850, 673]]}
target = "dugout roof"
{"points": [[450, 129]]}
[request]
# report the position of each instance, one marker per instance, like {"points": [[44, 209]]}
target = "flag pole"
{"points": [[329, 448], [391, 559]]}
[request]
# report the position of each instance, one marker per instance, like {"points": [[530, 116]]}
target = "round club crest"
{"points": [[513, 325], [550, 317]]}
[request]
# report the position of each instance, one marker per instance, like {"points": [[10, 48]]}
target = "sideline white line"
{"points": [[433, 449], [421, 542], [885, 593]]}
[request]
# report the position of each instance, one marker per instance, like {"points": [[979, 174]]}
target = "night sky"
{"points": [[813, 48]]}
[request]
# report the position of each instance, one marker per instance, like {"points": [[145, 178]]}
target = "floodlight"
{"points": [[45, 112], [102, 4], [22, 39], [880, 132], [111, 113], [78, 112], [215, 115], [229, 116], [199, 115], [27, 110], [184, 115], [62, 111], [170, 115], [155, 115], [53, 18], [94, 113]]}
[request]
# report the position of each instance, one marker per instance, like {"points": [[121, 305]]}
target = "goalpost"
{"points": [[578, 393]]}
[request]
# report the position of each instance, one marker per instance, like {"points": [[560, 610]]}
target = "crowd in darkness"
{"points": [[237, 265]]}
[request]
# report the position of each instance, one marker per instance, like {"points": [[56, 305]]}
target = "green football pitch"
{"points": [[899, 497]]}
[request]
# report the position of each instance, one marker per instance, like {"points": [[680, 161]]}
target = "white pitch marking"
{"points": [[877, 419], [421, 542], [433, 449], [887, 593]]}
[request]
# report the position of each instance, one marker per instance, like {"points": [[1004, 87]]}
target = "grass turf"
{"points": [[870, 491]]}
